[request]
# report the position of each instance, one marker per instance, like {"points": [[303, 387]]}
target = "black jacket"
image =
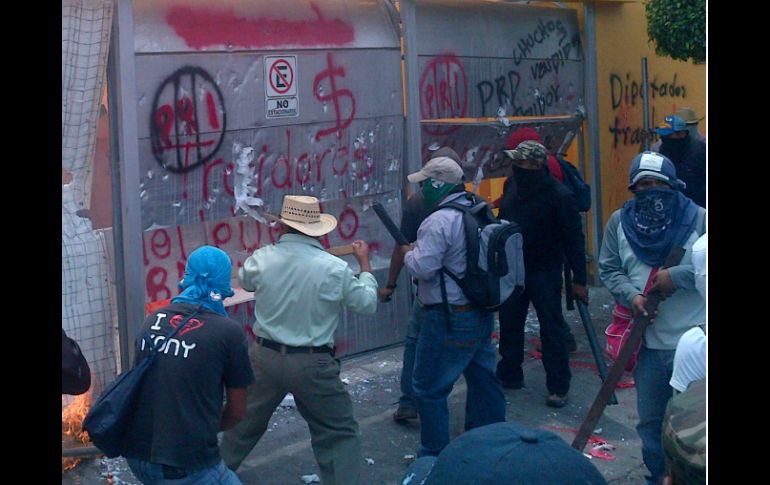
{"points": [[690, 163], [550, 225]]}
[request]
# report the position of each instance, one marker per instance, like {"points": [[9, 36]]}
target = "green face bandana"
{"points": [[433, 191]]}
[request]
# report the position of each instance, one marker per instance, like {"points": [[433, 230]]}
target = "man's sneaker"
{"points": [[511, 384], [404, 415], [556, 400]]}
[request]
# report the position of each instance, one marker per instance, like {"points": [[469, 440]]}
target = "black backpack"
{"points": [[494, 257], [575, 183]]}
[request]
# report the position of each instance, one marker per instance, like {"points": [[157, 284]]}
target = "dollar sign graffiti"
{"points": [[334, 96]]}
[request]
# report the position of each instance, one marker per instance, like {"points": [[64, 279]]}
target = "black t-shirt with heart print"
{"points": [[178, 413]]}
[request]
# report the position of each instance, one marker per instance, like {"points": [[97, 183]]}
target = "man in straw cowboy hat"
{"points": [[299, 291]]}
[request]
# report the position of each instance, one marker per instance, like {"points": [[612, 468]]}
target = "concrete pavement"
{"points": [[284, 455]]}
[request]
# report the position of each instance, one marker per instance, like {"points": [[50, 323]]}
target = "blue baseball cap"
{"points": [[655, 165], [505, 453], [671, 124]]}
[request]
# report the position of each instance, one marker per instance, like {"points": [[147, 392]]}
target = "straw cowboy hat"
{"points": [[303, 213]]}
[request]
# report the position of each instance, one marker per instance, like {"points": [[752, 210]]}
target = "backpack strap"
{"points": [[154, 349]]}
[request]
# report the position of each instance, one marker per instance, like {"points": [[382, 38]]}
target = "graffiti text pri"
{"points": [[185, 125], [443, 91]]}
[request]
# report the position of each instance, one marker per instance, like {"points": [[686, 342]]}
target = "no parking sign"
{"points": [[281, 87]]}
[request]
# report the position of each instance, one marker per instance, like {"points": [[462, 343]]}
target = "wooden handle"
{"points": [[341, 250], [240, 296]]}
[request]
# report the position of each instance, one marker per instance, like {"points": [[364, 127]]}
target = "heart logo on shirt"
{"points": [[191, 325]]}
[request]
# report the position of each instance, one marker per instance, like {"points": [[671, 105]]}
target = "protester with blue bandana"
{"points": [[206, 280], [639, 237], [172, 436]]}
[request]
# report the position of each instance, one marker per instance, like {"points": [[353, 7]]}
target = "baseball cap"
{"points": [[443, 166], [671, 124], [655, 165], [529, 150], [512, 454]]}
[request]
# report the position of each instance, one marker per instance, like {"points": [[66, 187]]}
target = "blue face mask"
{"points": [[654, 210]]}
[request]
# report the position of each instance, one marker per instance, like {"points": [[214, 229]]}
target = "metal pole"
{"points": [[646, 106], [127, 223], [413, 160], [413, 135], [592, 111], [593, 342]]}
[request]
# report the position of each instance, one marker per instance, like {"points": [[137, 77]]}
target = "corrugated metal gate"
{"points": [[260, 99], [264, 99], [496, 67]]}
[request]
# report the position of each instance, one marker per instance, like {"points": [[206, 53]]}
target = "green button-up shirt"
{"points": [[300, 289]]}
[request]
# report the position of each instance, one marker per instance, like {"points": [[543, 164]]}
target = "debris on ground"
{"points": [[369, 461], [409, 458], [311, 478], [602, 451]]}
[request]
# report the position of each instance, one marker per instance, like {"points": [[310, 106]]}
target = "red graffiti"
{"points": [[212, 111], [443, 92], [177, 125], [160, 244], [238, 236], [155, 283], [288, 171], [347, 225], [334, 95], [206, 27]]}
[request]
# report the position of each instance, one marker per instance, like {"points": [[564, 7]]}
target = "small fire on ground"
{"points": [[72, 432]]}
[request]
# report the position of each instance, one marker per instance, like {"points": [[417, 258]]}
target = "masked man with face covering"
{"points": [[550, 224], [639, 237], [453, 339], [688, 154]]}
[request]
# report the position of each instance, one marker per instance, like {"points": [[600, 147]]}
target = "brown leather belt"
{"points": [[454, 308], [288, 349]]}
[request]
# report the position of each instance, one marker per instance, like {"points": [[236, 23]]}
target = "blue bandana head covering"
{"points": [[656, 220], [206, 279]]}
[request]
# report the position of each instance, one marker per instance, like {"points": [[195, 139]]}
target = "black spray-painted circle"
{"points": [[178, 142]]}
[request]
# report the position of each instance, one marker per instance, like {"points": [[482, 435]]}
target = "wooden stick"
{"points": [[341, 250], [616, 371]]}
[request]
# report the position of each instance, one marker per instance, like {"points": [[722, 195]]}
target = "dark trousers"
{"points": [[543, 289]]}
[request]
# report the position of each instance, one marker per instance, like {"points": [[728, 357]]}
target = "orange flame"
{"points": [[72, 427]]}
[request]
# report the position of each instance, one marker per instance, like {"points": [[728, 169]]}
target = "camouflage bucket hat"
{"points": [[529, 150]]}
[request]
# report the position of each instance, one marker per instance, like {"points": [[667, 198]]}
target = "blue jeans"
{"points": [[652, 375], [443, 353], [152, 473], [410, 347]]}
